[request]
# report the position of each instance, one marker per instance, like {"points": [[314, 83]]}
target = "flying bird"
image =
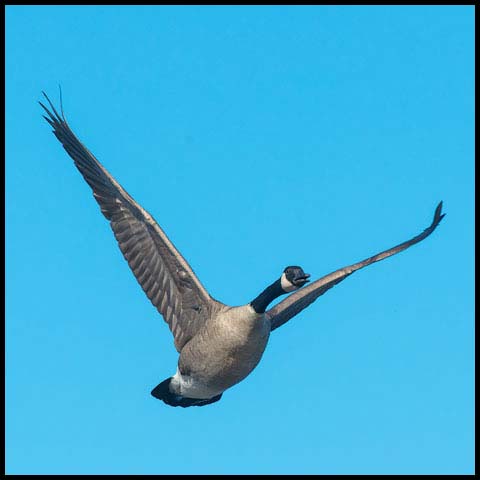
{"points": [[218, 345]]}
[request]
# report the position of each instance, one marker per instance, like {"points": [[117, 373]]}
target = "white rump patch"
{"points": [[188, 387]]}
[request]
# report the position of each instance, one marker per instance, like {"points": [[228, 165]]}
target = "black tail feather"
{"points": [[162, 392]]}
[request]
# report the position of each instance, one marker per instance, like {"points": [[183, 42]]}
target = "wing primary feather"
{"points": [[58, 119], [61, 102], [48, 120]]}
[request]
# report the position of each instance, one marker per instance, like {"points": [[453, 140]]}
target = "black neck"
{"points": [[260, 304]]}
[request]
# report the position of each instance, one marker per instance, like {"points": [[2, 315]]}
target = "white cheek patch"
{"points": [[287, 286]]}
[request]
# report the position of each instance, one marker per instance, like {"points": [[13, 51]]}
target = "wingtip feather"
{"points": [[48, 120], [58, 117], [438, 214]]}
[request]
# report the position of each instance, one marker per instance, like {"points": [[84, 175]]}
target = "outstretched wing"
{"points": [[296, 302], [162, 272]]}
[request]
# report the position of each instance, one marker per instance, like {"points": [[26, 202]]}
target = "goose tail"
{"points": [[162, 392]]}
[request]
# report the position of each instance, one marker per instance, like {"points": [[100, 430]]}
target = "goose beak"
{"points": [[302, 279]]}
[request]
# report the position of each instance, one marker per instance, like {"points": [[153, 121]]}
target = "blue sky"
{"points": [[258, 137]]}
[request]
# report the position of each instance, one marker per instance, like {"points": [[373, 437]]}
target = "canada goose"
{"points": [[219, 345]]}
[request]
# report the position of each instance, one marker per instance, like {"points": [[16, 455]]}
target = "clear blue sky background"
{"points": [[258, 137]]}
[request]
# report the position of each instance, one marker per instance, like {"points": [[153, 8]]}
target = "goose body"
{"points": [[223, 353], [218, 345]]}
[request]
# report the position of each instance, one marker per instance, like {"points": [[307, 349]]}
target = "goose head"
{"points": [[293, 277]]}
